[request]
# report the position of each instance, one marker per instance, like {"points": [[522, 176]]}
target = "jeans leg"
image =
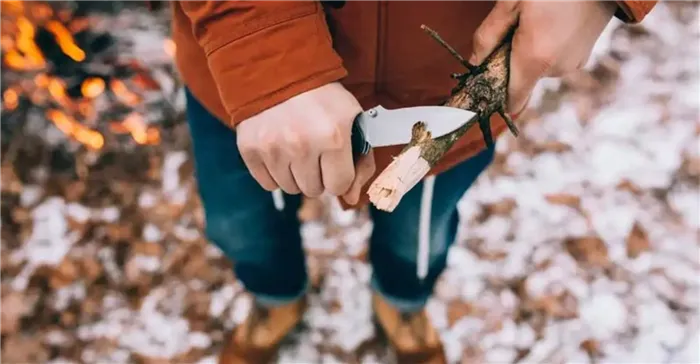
{"points": [[264, 244], [394, 242]]}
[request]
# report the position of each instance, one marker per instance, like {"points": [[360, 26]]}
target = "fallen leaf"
{"points": [[637, 241], [589, 250]]}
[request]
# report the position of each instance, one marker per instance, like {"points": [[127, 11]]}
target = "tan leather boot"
{"points": [[413, 338], [256, 340]]}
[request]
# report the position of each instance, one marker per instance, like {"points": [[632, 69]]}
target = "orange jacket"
{"points": [[242, 57]]}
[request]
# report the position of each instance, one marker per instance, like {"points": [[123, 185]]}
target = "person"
{"points": [[272, 90]]}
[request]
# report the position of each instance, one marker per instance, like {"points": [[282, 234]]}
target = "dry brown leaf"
{"points": [[589, 250], [627, 185], [563, 306], [149, 249], [637, 241], [565, 199], [10, 182], [25, 349], [553, 146], [503, 207], [591, 347], [316, 271], [64, 274], [91, 269], [472, 354], [458, 309], [13, 309]]}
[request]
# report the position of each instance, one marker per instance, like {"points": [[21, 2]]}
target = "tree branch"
{"points": [[482, 89]]}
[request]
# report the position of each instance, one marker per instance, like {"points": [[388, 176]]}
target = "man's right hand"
{"points": [[303, 145]]}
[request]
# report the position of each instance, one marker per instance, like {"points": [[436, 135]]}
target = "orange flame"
{"points": [[134, 125], [7, 43], [12, 7], [41, 12], [123, 93], [27, 55], [70, 127], [92, 87], [72, 117], [41, 80], [57, 90], [65, 41]]}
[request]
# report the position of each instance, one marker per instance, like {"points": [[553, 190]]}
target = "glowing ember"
{"points": [[123, 93], [10, 99], [92, 87], [33, 58], [81, 133], [138, 129], [57, 89], [65, 41]]}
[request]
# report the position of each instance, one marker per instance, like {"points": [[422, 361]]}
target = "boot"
{"points": [[256, 340], [413, 338]]}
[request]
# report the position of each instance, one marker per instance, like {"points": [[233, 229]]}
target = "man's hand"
{"points": [[303, 145], [551, 39]]}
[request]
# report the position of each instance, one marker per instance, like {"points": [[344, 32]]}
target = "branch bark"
{"points": [[483, 89]]}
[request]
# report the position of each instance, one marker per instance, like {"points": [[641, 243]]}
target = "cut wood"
{"points": [[483, 90]]}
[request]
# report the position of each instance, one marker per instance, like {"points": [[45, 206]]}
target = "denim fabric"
{"points": [[265, 244]]}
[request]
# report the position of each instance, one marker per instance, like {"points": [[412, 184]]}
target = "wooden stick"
{"points": [[482, 90]]}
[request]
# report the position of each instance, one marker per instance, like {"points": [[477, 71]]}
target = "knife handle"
{"points": [[359, 143]]}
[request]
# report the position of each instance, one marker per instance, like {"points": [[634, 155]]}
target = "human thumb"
{"points": [[364, 170], [493, 29]]}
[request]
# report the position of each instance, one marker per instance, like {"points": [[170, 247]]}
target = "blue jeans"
{"points": [[265, 244]]}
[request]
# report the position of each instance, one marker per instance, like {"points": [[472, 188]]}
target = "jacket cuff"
{"points": [[262, 68], [634, 11]]}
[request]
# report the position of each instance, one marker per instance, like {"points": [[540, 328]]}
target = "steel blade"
{"points": [[384, 127]]}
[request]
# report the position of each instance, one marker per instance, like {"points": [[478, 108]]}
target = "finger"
{"points": [[529, 61], [364, 170], [256, 166], [280, 170], [337, 169], [493, 29], [282, 174], [307, 174], [260, 173]]}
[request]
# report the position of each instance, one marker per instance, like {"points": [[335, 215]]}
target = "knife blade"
{"points": [[380, 127]]}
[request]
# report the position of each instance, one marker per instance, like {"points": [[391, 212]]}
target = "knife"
{"points": [[381, 127]]}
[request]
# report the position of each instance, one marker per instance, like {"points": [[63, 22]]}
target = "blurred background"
{"points": [[579, 245]]}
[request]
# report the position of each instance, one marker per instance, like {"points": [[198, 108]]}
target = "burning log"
{"points": [[482, 89]]}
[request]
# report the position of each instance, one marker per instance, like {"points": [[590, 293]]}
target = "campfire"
{"points": [[61, 70]]}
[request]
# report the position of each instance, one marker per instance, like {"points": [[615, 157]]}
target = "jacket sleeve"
{"points": [[634, 11], [261, 53]]}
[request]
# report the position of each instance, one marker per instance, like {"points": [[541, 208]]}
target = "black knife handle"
{"points": [[359, 143]]}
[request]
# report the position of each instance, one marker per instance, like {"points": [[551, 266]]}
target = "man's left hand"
{"points": [[551, 40]]}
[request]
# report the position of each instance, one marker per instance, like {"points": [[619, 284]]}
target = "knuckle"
{"points": [[266, 141], [246, 149], [543, 57], [341, 186], [296, 143], [332, 137]]}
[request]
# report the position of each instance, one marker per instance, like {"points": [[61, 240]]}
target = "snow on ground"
{"points": [[579, 245]]}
